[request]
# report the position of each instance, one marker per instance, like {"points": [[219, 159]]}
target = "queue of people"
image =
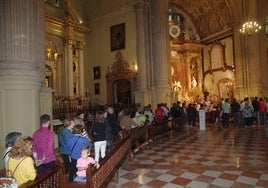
{"points": [[27, 157], [246, 113]]}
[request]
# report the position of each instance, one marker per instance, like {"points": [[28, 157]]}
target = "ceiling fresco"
{"points": [[210, 16]]}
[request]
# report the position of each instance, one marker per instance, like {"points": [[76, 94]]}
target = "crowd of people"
{"points": [[247, 113], [27, 157]]}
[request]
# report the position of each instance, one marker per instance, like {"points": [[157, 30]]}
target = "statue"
{"points": [[194, 82], [176, 86]]}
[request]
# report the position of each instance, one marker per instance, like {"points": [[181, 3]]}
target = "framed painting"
{"points": [[117, 33], [96, 73], [97, 88]]}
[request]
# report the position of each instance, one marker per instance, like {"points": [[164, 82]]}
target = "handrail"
{"points": [[109, 165]]}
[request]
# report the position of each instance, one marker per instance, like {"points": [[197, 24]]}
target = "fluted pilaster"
{"points": [[69, 66], [22, 38], [160, 43], [141, 46], [81, 75], [143, 78], [160, 52]]}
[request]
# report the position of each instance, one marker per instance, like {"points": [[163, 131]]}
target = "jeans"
{"points": [[43, 167], [80, 179], [72, 169], [109, 146], [262, 118], [99, 146], [67, 162], [225, 119], [236, 116]]}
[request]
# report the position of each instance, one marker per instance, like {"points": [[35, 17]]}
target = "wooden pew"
{"points": [[158, 129], [139, 138], [2, 172], [52, 178], [55, 176], [138, 133], [108, 167]]}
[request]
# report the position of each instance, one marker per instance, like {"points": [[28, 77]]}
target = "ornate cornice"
{"points": [[187, 48]]}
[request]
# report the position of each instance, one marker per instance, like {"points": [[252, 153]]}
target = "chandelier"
{"points": [[250, 27]]}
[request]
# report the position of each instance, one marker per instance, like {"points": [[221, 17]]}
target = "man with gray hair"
{"points": [[10, 140]]}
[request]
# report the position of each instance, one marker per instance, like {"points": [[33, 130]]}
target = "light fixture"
{"points": [[250, 27]]}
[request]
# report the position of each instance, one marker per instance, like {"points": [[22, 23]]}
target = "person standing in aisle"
{"points": [[43, 146]]}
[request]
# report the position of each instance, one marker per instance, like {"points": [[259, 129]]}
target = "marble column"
{"points": [[81, 75], [141, 93], [160, 52], [59, 75], [22, 65], [69, 68]]}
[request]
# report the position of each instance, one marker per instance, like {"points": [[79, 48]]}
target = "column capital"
{"points": [[80, 45], [68, 41], [140, 5]]}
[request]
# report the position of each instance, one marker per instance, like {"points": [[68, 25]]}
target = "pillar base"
{"points": [[19, 106]]}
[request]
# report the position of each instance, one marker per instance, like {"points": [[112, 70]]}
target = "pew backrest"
{"points": [[109, 165], [53, 177]]}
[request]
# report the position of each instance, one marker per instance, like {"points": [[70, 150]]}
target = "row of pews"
{"points": [[108, 171]]}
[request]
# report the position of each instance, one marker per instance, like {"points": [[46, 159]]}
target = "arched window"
{"points": [[174, 17]]}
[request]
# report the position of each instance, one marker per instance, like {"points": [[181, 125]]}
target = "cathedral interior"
{"points": [[196, 47], [99, 52]]}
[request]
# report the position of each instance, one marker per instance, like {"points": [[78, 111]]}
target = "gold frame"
{"points": [[96, 73]]}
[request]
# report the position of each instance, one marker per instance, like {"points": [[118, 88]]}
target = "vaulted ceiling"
{"points": [[210, 16]]}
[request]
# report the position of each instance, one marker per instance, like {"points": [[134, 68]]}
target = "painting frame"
{"points": [[96, 73], [96, 88], [117, 36]]}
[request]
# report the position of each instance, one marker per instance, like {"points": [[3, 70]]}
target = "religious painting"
{"points": [[122, 90], [97, 88], [96, 73], [117, 33]]}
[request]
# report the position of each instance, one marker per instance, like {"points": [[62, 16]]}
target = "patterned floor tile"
{"points": [[211, 159]]}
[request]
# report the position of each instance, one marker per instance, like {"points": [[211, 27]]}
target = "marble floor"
{"points": [[231, 157]]}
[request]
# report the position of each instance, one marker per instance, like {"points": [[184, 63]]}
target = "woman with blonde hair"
{"points": [[79, 121], [21, 164]]}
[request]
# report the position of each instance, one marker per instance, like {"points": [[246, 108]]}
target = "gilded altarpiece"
{"points": [[186, 69], [121, 82]]}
